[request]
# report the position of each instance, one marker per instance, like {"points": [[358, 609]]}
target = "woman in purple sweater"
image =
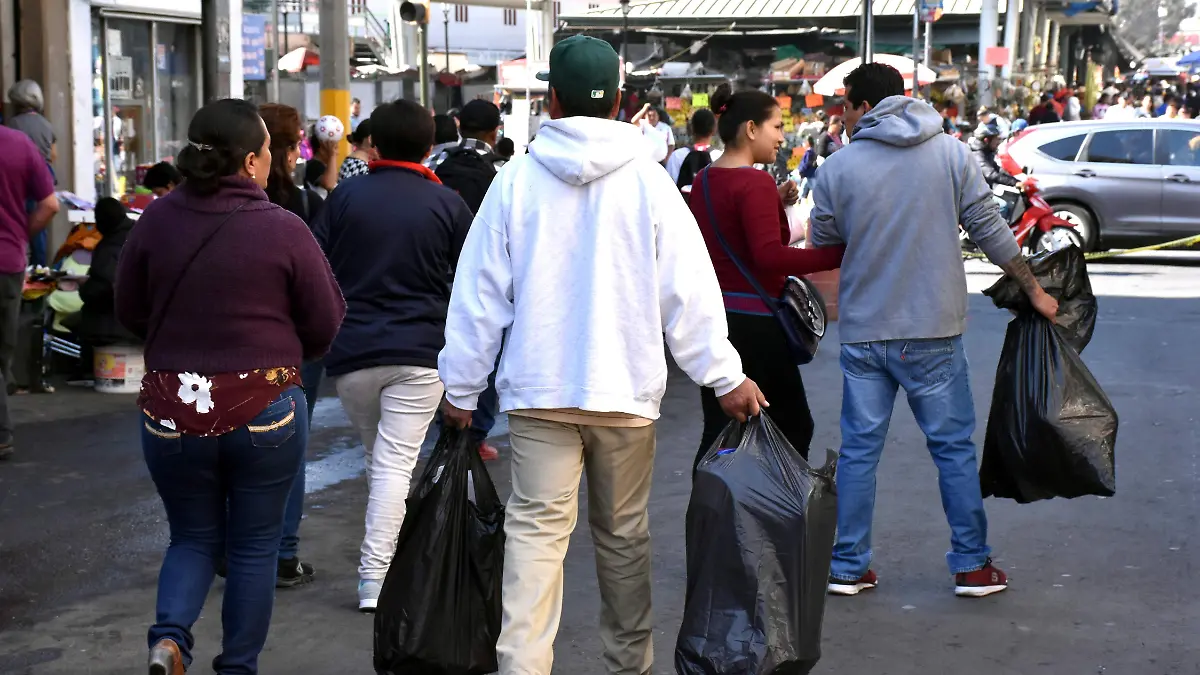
{"points": [[230, 294]]}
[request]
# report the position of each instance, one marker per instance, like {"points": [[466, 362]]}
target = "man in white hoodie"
{"points": [[586, 254]]}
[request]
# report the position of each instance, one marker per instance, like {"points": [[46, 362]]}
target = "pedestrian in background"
{"points": [[27, 100], [24, 180], [585, 255], [230, 294], [506, 149], [361, 154], [283, 125], [162, 178], [749, 215], [445, 136], [682, 166], [393, 239], [903, 304]]}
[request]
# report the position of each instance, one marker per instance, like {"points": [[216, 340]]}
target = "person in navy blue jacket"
{"points": [[392, 238]]}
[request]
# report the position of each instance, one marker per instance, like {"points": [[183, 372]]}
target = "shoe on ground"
{"points": [[487, 453], [293, 572], [980, 583], [842, 587], [165, 658], [6, 451], [368, 594]]}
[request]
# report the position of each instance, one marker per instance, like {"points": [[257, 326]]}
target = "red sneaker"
{"points": [[980, 583], [487, 453], [842, 587]]}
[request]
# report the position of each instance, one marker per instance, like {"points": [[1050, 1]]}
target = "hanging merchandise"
{"points": [[1051, 431], [760, 527]]}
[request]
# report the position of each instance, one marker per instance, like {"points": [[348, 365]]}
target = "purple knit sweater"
{"points": [[259, 295]]}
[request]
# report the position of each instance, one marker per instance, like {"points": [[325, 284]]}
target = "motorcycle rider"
{"points": [[984, 143]]}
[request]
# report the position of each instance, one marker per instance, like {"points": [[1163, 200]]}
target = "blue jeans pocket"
{"points": [[162, 441], [858, 360], [275, 425], [930, 361]]}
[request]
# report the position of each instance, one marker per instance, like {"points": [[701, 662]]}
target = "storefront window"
{"points": [[132, 98], [150, 73], [175, 59]]}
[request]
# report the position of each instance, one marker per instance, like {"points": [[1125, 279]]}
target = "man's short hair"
{"points": [[402, 131], [871, 83], [445, 130], [586, 107], [354, 100], [479, 117], [163, 175]]}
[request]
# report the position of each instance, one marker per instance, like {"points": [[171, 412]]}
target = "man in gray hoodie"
{"points": [[895, 197]]}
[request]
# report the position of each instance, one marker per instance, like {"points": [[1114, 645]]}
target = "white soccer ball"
{"points": [[330, 128]]}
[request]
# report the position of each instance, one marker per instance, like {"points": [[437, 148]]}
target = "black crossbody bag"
{"points": [[800, 309]]}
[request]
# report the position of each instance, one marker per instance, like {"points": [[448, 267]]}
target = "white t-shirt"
{"points": [[666, 130]]}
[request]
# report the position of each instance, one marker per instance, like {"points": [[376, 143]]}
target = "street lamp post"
{"points": [[446, 44], [625, 34]]}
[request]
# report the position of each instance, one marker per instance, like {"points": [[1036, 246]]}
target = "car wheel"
{"points": [[1057, 238], [1081, 219]]}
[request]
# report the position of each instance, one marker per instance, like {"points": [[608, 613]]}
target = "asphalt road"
{"points": [[1099, 586]]}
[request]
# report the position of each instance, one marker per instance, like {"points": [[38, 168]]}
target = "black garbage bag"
{"points": [[1051, 431], [439, 610], [760, 529], [1063, 273]]}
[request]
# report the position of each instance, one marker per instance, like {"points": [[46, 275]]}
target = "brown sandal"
{"points": [[165, 659]]}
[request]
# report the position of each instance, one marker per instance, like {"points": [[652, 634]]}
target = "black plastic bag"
{"points": [[1051, 431], [760, 529], [1063, 274], [439, 610]]}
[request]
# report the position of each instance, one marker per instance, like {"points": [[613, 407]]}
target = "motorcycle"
{"points": [[1032, 219]]}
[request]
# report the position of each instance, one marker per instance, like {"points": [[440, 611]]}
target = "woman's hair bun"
{"points": [[721, 98]]}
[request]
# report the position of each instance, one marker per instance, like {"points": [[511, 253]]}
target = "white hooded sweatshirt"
{"points": [[584, 251]]}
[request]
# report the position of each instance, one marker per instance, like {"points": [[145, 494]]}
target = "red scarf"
{"points": [[419, 169]]}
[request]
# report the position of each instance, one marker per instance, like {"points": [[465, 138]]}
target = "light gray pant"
{"points": [[391, 406]]}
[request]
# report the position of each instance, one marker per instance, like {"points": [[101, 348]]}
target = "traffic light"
{"points": [[415, 12]]}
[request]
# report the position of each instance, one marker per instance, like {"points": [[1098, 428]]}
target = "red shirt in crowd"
{"points": [[24, 176], [753, 222]]}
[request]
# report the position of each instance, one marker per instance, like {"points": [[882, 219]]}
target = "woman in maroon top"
{"points": [[750, 214], [230, 294]]}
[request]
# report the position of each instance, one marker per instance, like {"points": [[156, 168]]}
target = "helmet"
{"points": [[987, 130], [1018, 126]]}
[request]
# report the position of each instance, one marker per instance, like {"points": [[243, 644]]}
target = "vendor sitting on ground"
{"points": [[99, 326], [162, 178]]}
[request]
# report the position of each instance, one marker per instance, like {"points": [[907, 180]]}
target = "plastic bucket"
{"points": [[118, 369]]}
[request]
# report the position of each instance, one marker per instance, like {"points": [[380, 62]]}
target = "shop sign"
{"points": [[120, 77], [931, 10], [254, 47]]}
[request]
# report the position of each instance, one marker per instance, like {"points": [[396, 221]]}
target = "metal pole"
{"points": [[866, 49], [1012, 28], [446, 44], [927, 53], [423, 65], [275, 53], [989, 24], [625, 40], [210, 50], [916, 87], [335, 65]]}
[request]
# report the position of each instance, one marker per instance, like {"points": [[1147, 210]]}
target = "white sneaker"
{"points": [[368, 594]]}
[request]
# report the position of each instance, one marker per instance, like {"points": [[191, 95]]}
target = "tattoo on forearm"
{"points": [[1018, 269]]}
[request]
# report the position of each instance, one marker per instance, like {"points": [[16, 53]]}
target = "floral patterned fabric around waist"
{"points": [[211, 405]]}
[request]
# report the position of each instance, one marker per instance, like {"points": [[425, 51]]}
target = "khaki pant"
{"points": [[391, 407], [548, 459]]}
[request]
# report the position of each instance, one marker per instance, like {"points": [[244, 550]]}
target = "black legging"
{"points": [[766, 360]]}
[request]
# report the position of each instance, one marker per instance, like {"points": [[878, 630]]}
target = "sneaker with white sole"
{"points": [[843, 587], [980, 583], [368, 594]]}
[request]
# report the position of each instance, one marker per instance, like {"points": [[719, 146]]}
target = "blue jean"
{"points": [[311, 374], [224, 495], [934, 374]]}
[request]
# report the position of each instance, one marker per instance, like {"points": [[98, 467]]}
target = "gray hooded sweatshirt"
{"points": [[895, 197]]}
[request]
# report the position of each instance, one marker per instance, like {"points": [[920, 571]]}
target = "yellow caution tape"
{"points": [[1177, 243]]}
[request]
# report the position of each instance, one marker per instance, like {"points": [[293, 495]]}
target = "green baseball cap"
{"points": [[583, 68]]}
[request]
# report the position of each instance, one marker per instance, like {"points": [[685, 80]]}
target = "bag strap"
{"points": [[712, 220], [152, 332]]}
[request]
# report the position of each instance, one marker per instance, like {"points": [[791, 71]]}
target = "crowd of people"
{"points": [[431, 274]]}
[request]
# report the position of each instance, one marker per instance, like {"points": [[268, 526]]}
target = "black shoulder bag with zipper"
{"points": [[800, 309], [161, 314]]}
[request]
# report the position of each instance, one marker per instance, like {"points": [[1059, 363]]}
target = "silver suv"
{"points": [[1121, 183]]}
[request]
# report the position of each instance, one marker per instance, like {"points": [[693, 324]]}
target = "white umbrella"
{"points": [[832, 83]]}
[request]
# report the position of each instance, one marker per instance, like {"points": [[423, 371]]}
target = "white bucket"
{"points": [[119, 369]]}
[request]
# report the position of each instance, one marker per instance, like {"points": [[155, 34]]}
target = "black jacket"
{"points": [[992, 172], [469, 172], [392, 238], [827, 145], [98, 321]]}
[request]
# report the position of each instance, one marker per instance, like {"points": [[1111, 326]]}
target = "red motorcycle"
{"points": [[1032, 219]]}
